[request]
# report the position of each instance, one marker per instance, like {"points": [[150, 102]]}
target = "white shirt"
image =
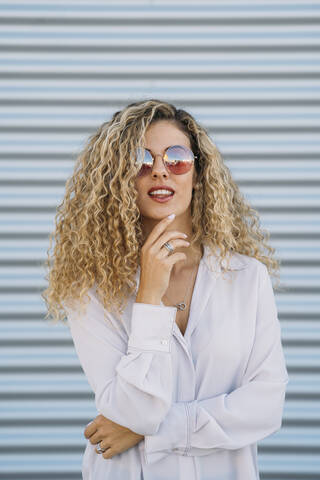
{"points": [[203, 399]]}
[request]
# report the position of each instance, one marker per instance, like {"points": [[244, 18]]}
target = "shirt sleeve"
{"points": [[132, 380], [239, 418]]}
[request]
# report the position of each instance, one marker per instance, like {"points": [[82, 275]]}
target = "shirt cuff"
{"points": [[151, 327], [173, 435]]}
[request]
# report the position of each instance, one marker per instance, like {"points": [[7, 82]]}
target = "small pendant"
{"points": [[181, 306]]}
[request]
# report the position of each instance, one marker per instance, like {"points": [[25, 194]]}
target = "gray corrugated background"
{"points": [[249, 72]]}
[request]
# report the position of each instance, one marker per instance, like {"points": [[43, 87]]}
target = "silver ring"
{"points": [[168, 246], [99, 449]]}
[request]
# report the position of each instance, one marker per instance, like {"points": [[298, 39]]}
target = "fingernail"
{"points": [[171, 216], [185, 235]]}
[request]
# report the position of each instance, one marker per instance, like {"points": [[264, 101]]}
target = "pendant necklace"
{"points": [[182, 305]]}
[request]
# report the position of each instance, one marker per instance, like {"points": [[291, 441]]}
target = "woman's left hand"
{"points": [[111, 436]]}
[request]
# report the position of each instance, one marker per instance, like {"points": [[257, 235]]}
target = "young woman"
{"points": [[179, 337]]}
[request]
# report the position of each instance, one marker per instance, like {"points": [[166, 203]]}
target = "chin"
{"points": [[156, 216]]}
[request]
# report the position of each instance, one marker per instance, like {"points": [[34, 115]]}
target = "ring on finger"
{"points": [[99, 449], [168, 246]]}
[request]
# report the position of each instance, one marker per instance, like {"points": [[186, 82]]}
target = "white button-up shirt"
{"points": [[203, 399]]}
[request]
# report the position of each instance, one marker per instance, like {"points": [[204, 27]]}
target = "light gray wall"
{"points": [[249, 72]]}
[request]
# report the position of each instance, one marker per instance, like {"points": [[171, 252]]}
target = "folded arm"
{"points": [[243, 416], [132, 381]]}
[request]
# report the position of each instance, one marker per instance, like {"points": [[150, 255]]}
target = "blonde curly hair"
{"points": [[98, 233]]}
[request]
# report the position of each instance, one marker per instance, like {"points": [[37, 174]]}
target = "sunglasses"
{"points": [[177, 159]]}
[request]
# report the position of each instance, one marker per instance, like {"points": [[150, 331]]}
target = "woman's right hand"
{"points": [[156, 262]]}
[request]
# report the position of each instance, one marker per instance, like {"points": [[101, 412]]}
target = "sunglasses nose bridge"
{"points": [[162, 160]]}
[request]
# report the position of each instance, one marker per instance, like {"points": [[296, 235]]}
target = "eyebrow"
{"points": [[149, 150]]}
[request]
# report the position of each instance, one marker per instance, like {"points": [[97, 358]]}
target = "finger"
{"points": [[174, 258], [109, 453], [103, 446], [90, 429], [166, 236], [175, 244], [96, 438], [157, 230]]}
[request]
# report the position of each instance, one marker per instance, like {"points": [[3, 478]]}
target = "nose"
{"points": [[158, 167]]}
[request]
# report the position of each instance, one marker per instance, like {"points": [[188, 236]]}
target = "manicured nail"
{"points": [[171, 216]]}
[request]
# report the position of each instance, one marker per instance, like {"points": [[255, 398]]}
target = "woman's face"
{"points": [[159, 136]]}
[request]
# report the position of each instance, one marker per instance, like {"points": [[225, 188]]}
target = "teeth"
{"points": [[161, 192]]}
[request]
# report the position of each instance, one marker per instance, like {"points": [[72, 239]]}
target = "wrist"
{"points": [[137, 436], [145, 296], [148, 298]]}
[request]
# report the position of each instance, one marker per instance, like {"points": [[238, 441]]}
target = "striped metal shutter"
{"points": [[249, 72]]}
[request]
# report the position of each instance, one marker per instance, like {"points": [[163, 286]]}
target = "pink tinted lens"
{"points": [[179, 159], [144, 158]]}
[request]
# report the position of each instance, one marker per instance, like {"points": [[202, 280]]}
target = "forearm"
{"points": [[227, 421], [137, 372], [148, 297]]}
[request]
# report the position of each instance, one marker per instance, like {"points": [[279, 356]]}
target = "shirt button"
{"points": [[164, 342]]}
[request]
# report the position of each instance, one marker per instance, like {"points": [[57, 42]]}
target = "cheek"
{"points": [[186, 187]]}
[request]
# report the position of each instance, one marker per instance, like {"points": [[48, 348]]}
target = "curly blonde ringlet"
{"points": [[98, 234]]}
